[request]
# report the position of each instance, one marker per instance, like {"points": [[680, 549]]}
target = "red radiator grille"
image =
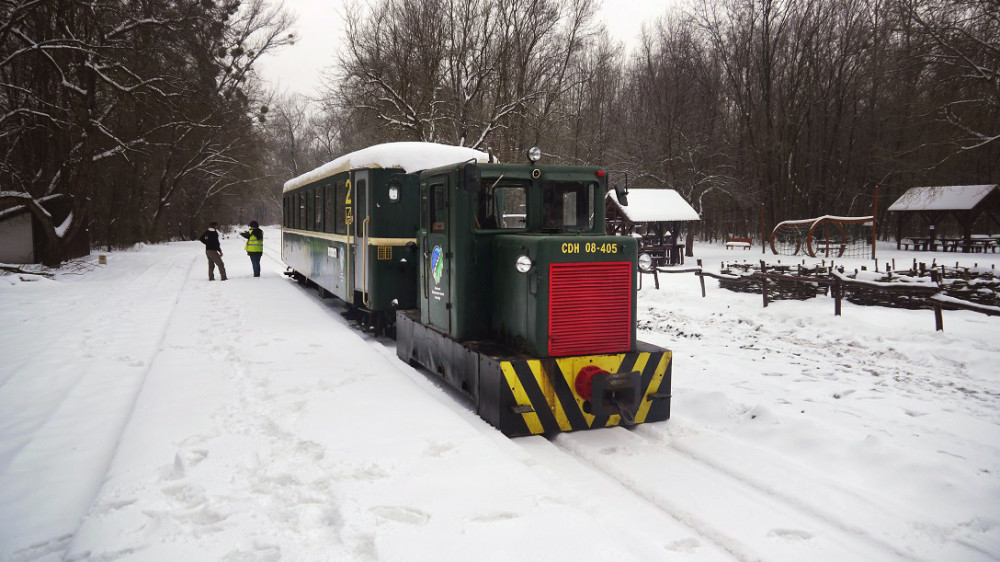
{"points": [[590, 308]]}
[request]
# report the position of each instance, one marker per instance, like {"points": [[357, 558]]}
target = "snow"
{"points": [[942, 198], [149, 414], [655, 205], [410, 156]]}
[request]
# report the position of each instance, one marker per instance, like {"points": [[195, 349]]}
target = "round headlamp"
{"points": [[645, 262], [523, 264], [534, 154]]}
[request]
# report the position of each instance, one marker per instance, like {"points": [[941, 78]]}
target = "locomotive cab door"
{"points": [[436, 266], [359, 250]]}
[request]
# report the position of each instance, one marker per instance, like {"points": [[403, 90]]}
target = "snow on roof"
{"points": [[655, 205], [942, 198], [409, 156]]}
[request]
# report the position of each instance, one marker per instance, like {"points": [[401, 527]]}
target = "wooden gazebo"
{"points": [[935, 205], [656, 218]]}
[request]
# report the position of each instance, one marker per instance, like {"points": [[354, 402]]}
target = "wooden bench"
{"points": [[738, 243]]}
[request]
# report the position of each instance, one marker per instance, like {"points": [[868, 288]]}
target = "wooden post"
{"points": [[837, 295], [702, 278], [938, 318], [763, 230], [875, 223], [763, 282]]}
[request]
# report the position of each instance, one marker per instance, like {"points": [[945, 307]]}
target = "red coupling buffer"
{"points": [[585, 381], [607, 394]]}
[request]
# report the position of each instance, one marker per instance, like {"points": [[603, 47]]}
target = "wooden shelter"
{"points": [[656, 217], [944, 210], [22, 236]]}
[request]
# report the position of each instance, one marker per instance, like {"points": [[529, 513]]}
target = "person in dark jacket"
{"points": [[255, 245], [213, 251]]}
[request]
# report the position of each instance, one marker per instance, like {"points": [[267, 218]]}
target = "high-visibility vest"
{"points": [[254, 245]]}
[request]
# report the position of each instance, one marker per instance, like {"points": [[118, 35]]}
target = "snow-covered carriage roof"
{"points": [[655, 205], [408, 156], [943, 198]]}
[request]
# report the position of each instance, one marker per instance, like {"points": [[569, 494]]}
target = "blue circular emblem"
{"points": [[437, 264]]}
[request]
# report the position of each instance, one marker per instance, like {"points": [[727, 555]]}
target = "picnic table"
{"points": [[665, 254], [977, 243]]}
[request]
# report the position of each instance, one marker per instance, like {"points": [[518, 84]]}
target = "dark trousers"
{"points": [[255, 260], [215, 259]]}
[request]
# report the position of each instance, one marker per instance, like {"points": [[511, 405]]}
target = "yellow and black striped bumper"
{"points": [[539, 395]]}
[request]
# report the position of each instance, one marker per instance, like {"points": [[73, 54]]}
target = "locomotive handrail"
{"points": [[424, 266], [364, 264]]}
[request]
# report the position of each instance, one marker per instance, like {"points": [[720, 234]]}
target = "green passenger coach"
{"points": [[498, 278]]}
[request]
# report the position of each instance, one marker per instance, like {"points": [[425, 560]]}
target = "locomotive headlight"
{"points": [[393, 193], [534, 154], [645, 262], [523, 264]]}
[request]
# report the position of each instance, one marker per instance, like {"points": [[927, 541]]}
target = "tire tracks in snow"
{"points": [[47, 415]]}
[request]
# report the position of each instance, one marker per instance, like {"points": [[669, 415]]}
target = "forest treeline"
{"points": [[797, 108]]}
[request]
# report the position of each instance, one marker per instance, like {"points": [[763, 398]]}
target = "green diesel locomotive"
{"points": [[499, 278]]}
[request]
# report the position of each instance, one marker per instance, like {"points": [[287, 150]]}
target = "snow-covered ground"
{"points": [[149, 414]]}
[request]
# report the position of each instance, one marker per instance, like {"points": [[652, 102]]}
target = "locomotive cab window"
{"points": [[501, 206], [438, 210], [568, 205]]}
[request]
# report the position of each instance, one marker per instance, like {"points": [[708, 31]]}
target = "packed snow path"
{"points": [[149, 414]]}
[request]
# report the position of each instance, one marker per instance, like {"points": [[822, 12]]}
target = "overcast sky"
{"points": [[296, 68]]}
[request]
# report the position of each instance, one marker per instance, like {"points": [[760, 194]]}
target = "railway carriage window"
{"points": [[318, 210], [300, 221], [568, 205], [310, 200], [437, 208], [329, 192], [341, 221]]}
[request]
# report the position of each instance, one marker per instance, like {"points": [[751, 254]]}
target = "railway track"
{"points": [[727, 508]]}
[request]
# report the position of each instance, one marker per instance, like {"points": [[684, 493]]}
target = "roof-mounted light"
{"points": [[534, 154]]}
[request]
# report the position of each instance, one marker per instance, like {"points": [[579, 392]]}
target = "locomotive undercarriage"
{"points": [[523, 395]]}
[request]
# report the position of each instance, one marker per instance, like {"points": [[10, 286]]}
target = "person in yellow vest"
{"points": [[255, 245]]}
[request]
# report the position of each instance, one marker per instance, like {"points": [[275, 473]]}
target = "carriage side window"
{"points": [[329, 192], [307, 223], [341, 222], [318, 210], [300, 221], [438, 212], [501, 206]]}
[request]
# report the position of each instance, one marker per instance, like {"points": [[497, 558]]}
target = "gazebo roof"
{"points": [[655, 205], [943, 198]]}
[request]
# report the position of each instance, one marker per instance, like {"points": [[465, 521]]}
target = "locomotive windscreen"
{"points": [[568, 205]]}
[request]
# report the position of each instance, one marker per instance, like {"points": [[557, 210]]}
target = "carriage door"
{"points": [[362, 224], [437, 256]]}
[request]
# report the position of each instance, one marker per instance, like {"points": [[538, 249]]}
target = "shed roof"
{"points": [[655, 205], [943, 198]]}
